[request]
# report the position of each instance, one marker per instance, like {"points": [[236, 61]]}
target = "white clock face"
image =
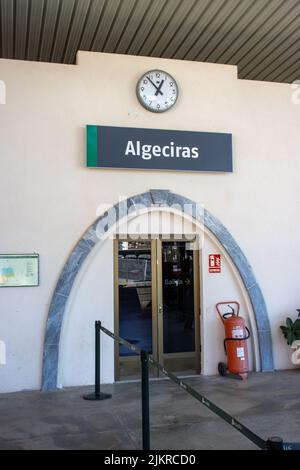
{"points": [[157, 91]]}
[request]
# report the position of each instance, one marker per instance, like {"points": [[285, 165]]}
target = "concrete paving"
{"points": [[268, 403]]}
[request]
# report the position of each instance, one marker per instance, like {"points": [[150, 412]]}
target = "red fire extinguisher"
{"points": [[235, 342]]}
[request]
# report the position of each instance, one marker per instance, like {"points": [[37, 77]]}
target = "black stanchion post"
{"points": [[145, 400], [275, 443], [97, 395]]}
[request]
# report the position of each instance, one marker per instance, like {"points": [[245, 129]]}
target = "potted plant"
{"points": [[291, 332]]}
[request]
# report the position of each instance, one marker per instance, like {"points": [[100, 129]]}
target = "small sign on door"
{"points": [[214, 263]]}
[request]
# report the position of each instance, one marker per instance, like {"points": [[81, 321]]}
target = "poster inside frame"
{"points": [[19, 270]]}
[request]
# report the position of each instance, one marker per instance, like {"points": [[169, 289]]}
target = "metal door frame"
{"points": [[157, 315]]}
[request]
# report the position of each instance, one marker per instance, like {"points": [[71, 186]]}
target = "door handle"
{"points": [[160, 310]]}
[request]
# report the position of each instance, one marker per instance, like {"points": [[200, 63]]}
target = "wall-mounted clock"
{"points": [[157, 91]]}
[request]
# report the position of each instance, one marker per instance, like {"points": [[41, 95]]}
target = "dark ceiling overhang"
{"points": [[261, 37]]}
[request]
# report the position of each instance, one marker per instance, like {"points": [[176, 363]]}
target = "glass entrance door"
{"points": [[135, 303], [157, 304], [178, 306]]}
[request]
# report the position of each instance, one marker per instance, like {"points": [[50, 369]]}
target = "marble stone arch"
{"points": [[96, 233]]}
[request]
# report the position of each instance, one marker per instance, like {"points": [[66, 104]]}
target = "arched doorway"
{"points": [[97, 233]]}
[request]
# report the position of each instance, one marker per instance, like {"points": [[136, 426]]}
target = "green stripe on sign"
{"points": [[92, 146]]}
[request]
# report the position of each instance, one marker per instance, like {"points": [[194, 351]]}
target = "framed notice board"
{"points": [[19, 270]]}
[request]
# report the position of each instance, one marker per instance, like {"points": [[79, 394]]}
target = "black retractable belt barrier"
{"points": [[97, 395], [261, 443], [144, 356], [273, 443]]}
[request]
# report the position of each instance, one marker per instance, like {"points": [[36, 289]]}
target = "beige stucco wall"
{"points": [[48, 196]]}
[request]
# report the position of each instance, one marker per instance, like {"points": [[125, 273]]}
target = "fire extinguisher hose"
{"points": [[237, 339]]}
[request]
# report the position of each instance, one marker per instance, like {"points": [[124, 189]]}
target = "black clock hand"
{"points": [[159, 88], [157, 91]]}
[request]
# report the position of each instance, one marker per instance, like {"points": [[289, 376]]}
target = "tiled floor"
{"points": [[268, 403]]}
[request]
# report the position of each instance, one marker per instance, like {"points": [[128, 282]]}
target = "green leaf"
{"points": [[291, 331], [296, 325], [290, 338]]}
